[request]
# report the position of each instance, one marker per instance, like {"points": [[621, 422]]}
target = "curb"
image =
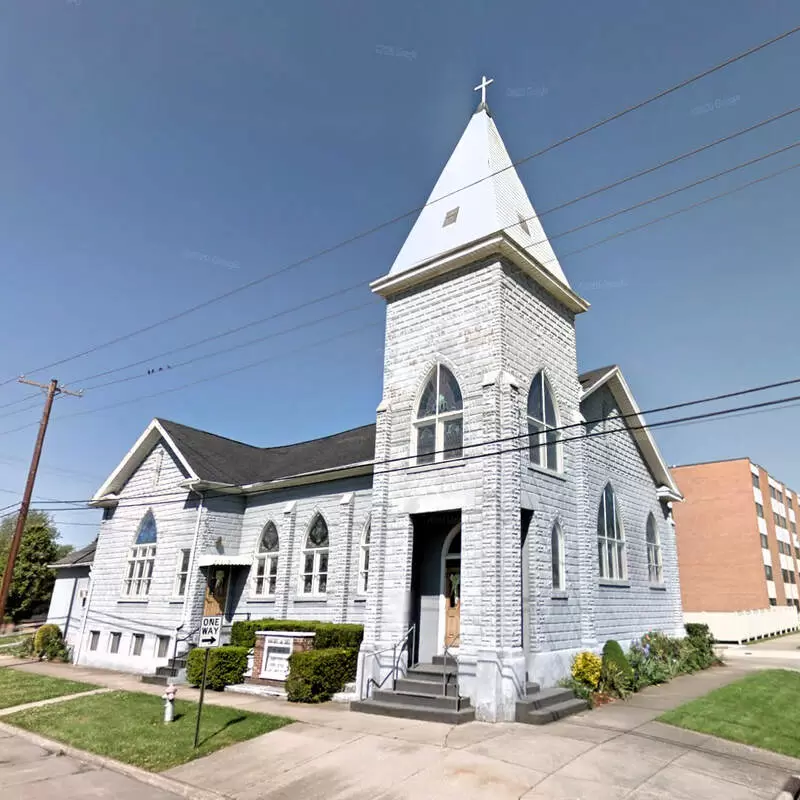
{"points": [[172, 785]]}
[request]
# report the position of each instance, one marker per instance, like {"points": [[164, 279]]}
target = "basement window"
{"points": [[450, 217]]}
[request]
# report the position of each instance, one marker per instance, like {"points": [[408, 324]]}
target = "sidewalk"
{"points": [[617, 751]]}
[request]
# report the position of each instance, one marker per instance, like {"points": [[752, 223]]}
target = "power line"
{"points": [[706, 416], [293, 265], [313, 344], [360, 284], [502, 440]]}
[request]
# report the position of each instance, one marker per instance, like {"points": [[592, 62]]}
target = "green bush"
{"points": [[243, 633], [226, 666], [616, 674], [702, 642], [316, 675], [25, 648], [48, 643], [338, 635]]}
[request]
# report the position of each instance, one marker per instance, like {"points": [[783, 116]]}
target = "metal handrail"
{"points": [[444, 671], [403, 644]]}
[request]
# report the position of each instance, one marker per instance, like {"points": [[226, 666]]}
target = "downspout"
{"points": [[191, 584], [85, 615]]}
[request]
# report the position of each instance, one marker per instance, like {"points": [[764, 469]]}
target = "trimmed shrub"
{"points": [[616, 675], [586, 668], [338, 635], [702, 642], [243, 633], [45, 637], [48, 643], [226, 666], [316, 675]]}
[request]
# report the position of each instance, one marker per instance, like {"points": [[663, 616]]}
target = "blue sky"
{"points": [[154, 154]]}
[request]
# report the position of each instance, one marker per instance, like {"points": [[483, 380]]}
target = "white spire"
{"points": [[478, 194]]}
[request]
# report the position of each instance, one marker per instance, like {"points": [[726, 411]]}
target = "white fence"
{"points": [[743, 626]]}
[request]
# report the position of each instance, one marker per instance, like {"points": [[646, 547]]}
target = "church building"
{"points": [[503, 511]]}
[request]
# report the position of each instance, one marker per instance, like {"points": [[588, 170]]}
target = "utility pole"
{"points": [[53, 389]]}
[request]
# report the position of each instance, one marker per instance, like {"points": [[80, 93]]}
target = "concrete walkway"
{"points": [[617, 751]]}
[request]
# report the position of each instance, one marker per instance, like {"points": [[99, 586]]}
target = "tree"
{"points": [[33, 581]]}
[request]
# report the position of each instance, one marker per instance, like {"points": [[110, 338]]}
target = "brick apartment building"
{"points": [[738, 550]]}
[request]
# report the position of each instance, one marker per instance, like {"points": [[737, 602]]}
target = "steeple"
{"points": [[478, 194]]}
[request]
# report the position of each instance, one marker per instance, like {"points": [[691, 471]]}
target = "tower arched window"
{"points": [[141, 559], [314, 578], [363, 559], [440, 419], [543, 435], [610, 538], [558, 558], [655, 568], [265, 577]]}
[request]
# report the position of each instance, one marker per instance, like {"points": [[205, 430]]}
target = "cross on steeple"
{"points": [[482, 86]]}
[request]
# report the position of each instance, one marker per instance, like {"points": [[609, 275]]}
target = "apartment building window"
{"points": [[773, 601], [797, 553], [768, 571], [113, 642], [792, 526], [760, 510], [764, 542], [775, 518], [137, 642], [755, 480], [779, 496], [94, 638]]}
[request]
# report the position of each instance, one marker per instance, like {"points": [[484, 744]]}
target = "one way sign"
{"points": [[210, 631]]}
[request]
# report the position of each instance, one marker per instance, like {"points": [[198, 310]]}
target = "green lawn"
{"points": [[129, 727], [761, 710], [18, 687]]}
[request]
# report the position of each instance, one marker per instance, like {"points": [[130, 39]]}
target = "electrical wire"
{"points": [[293, 265]]}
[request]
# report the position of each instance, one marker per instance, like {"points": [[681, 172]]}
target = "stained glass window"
{"points": [[610, 538], [314, 578], [654, 565], [141, 559], [439, 423], [543, 434], [265, 576]]}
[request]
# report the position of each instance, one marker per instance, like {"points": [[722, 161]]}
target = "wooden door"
{"points": [[216, 591], [452, 624]]}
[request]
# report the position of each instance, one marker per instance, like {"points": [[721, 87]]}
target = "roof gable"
{"points": [[634, 420]]}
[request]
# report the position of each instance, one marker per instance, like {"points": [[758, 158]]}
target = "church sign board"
{"points": [[271, 655]]}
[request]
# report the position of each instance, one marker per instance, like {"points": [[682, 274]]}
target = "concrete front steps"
{"points": [[427, 692], [174, 672], [540, 706], [423, 694]]}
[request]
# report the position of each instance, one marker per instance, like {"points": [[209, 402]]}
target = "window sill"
{"points": [[174, 601], [608, 583], [310, 598], [417, 468], [269, 599], [360, 599], [549, 472], [133, 601], [658, 587], [559, 596]]}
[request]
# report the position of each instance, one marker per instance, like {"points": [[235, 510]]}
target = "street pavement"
{"points": [[29, 772], [617, 751]]}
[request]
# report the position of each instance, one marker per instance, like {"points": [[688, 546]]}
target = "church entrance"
{"points": [[217, 584], [435, 606]]}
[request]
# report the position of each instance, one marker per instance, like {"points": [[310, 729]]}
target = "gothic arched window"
{"points": [[363, 559], [314, 578], [654, 565], [558, 558], [440, 420], [265, 578], [610, 538], [141, 559], [543, 434]]}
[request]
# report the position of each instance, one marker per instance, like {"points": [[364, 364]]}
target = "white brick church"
{"points": [[502, 505]]}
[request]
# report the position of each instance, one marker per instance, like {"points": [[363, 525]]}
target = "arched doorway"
{"points": [[451, 588]]}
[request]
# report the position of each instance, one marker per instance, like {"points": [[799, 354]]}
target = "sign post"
{"points": [[210, 635]]}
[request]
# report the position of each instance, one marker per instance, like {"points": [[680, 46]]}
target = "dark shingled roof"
{"points": [[588, 378], [78, 558], [220, 460]]}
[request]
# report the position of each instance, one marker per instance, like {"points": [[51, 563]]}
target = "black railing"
{"points": [[403, 644]]}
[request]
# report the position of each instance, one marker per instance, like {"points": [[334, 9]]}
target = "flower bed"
{"points": [[655, 658]]}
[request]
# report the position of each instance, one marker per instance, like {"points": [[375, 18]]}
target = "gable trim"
{"points": [[133, 459], [632, 415]]}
